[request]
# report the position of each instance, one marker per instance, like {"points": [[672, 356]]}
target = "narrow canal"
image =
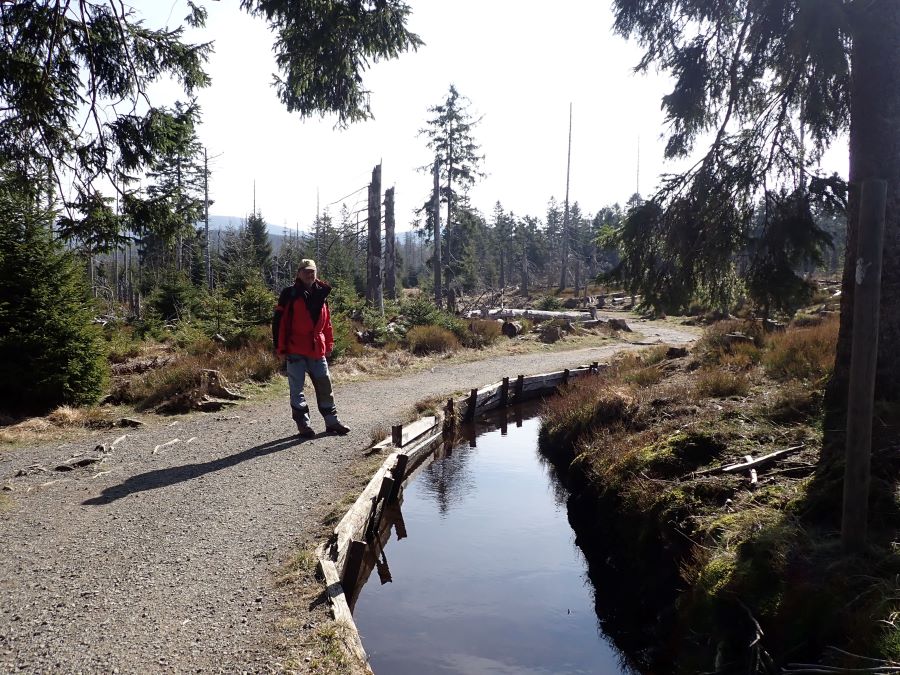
{"points": [[480, 572]]}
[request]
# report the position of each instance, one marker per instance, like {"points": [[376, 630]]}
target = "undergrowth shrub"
{"points": [[716, 344], [589, 402], [803, 353], [742, 356], [644, 377], [345, 343], [483, 332], [121, 343], [717, 383], [252, 363], [154, 387], [431, 339], [549, 303], [794, 402]]}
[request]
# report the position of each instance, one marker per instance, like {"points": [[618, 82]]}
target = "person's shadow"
{"points": [[152, 480]]}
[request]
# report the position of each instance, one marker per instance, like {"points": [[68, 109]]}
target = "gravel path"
{"points": [[163, 558]]}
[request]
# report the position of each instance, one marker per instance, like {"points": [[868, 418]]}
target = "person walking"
{"points": [[303, 336]]}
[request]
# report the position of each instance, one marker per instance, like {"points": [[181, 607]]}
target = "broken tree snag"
{"points": [[216, 384]]}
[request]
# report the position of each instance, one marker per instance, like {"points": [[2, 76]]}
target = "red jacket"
{"points": [[295, 327]]}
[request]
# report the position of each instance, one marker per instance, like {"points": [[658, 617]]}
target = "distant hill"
{"points": [[220, 224]]}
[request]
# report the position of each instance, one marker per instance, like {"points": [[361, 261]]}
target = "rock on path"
{"points": [[162, 558]]}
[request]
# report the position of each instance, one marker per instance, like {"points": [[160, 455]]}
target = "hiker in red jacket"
{"points": [[302, 334]]}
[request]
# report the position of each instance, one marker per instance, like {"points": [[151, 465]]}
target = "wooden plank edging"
{"points": [[340, 609]]}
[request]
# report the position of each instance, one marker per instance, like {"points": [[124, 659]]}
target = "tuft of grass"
{"points": [[430, 340], [483, 332], [716, 383], [803, 353], [589, 402], [329, 654], [644, 377], [90, 417], [716, 344], [794, 402]]}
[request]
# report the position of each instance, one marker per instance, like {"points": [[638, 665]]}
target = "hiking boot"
{"points": [[338, 428], [305, 431]]}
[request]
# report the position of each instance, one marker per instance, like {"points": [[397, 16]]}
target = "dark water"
{"points": [[486, 577]]}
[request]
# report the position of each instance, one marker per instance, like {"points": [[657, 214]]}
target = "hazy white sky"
{"points": [[520, 64]]}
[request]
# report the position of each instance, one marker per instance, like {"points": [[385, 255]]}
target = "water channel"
{"points": [[479, 571]]}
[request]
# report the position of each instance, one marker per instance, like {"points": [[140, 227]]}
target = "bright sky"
{"points": [[520, 64]]}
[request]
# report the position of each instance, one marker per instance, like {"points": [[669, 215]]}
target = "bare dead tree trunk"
{"points": [[390, 255]]}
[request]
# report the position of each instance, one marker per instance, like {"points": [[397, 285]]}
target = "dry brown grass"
{"points": [[484, 332], [715, 345], [90, 417], [803, 353], [185, 374], [431, 340], [718, 383], [644, 377]]}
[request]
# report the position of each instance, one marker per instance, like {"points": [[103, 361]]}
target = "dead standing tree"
{"points": [[390, 255], [374, 291]]}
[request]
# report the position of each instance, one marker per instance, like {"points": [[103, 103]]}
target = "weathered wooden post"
{"points": [[398, 473], [473, 400], [397, 435], [355, 553], [504, 392], [390, 255], [520, 388], [374, 295], [863, 362], [566, 376], [436, 216]]}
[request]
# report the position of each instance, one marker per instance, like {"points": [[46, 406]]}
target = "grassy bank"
{"points": [[730, 575]]}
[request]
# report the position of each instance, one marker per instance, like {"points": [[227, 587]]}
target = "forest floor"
{"points": [[188, 545]]}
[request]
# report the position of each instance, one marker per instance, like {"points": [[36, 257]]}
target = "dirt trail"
{"points": [[163, 558]]}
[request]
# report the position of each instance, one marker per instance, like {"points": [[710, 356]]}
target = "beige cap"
{"points": [[307, 264]]}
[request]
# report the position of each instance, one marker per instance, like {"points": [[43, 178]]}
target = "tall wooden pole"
{"points": [[863, 363], [373, 278], [209, 276], [436, 217], [563, 268], [390, 254]]}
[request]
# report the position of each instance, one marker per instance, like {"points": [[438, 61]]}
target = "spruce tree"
{"points": [[50, 353]]}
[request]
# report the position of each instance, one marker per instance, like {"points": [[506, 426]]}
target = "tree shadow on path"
{"points": [[160, 478]]}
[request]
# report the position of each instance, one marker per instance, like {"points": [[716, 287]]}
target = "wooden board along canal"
{"points": [[483, 574]]}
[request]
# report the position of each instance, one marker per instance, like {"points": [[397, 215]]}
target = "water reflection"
{"points": [[489, 579], [448, 480]]}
